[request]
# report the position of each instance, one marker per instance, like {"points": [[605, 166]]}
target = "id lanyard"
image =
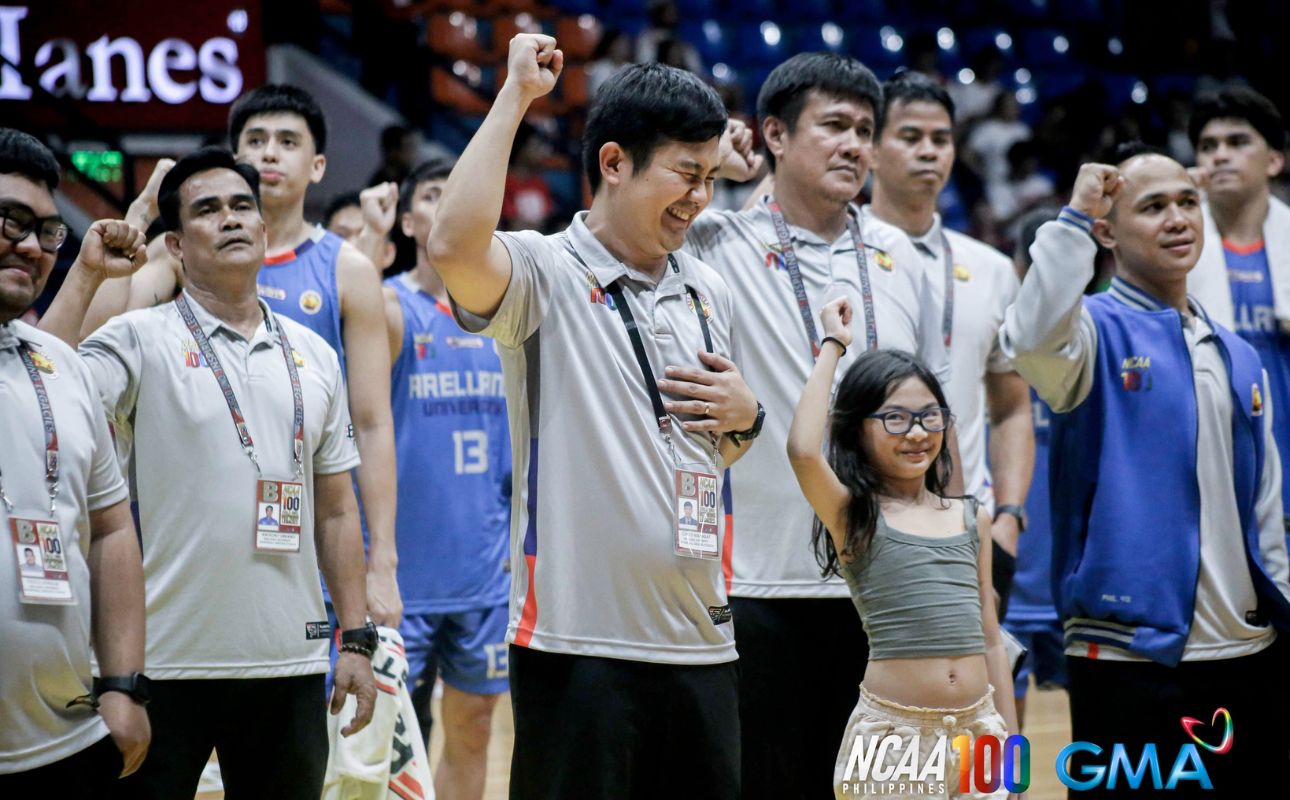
{"points": [[51, 431], [799, 288], [947, 320], [234, 410]]}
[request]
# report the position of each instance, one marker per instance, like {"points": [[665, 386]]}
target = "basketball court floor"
{"points": [[1047, 728]]}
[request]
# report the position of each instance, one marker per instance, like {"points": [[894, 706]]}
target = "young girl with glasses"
{"points": [[917, 562]]}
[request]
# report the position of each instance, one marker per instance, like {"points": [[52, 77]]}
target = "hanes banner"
{"points": [[128, 64]]}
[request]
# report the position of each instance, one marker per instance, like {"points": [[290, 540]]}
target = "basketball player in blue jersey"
{"points": [[454, 465], [1243, 276], [314, 277]]}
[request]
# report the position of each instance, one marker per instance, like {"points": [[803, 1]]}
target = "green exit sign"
{"points": [[103, 166]]}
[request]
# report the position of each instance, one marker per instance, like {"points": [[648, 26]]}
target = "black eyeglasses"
{"points": [[18, 223], [900, 421]]}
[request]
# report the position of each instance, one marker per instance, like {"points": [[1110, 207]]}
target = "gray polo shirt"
{"points": [[985, 284], [45, 649], [594, 502], [772, 520], [216, 608]]}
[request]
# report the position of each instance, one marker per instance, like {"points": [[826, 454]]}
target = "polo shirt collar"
{"points": [[931, 243], [607, 269], [209, 323], [10, 339], [1134, 297], [798, 234]]}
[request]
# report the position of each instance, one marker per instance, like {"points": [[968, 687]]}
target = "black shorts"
{"points": [[800, 663], [270, 735], [90, 773], [600, 728]]}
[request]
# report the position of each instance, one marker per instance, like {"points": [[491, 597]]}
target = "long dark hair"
{"points": [[863, 390]]}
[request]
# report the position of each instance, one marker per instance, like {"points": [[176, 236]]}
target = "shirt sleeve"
{"points": [[1046, 333], [336, 451], [998, 361], [106, 485], [533, 260], [1268, 507], [114, 357]]}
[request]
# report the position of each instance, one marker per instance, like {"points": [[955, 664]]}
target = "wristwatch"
{"points": [[136, 685], [360, 640], [1015, 510], [752, 433]]}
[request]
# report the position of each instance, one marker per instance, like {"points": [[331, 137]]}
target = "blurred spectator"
{"points": [[923, 54], [400, 149], [612, 53], [974, 100], [344, 216], [663, 21], [1025, 188], [1177, 140], [675, 53], [987, 147], [528, 203]]}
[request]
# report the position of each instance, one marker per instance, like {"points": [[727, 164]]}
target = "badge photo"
{"points": [[42, 566], [277, 516], [697, 531]]}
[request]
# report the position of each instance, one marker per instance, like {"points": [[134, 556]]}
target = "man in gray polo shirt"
{"points": [[817, 113], [228, 409], [620, 628], [87, 585], [914, 155]]}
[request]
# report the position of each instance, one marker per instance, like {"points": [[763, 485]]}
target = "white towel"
{"points": [[387, 759]]}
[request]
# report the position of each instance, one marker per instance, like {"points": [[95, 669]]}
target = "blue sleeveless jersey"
{"points": [[301, 284], [1256, 322], [454, 461]]}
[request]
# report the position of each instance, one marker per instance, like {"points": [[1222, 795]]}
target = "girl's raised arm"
{"points": [[826, 494]]}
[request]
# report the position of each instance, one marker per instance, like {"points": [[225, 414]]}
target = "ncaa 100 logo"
{"points": [[893, 765]]}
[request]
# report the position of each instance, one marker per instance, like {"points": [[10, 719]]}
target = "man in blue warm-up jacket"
{"points": [[1169, 556]]}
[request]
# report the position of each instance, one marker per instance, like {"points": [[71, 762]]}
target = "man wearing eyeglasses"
{"points": [[62, 494]]}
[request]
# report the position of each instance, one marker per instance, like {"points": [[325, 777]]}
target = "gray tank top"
{"points": [[918, 596]]}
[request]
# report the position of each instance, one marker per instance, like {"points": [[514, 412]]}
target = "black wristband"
{"points": [[836, 341]]}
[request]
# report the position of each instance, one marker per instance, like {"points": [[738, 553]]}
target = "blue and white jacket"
{"points": [[1146, 521]]}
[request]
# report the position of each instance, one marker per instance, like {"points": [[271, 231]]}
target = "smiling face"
{"points": [[24, 267], [1155, 228], [830, 148], [656, 203], [281, 148], [903, 458], [915, 153], [220, 225], [1239, 160]]}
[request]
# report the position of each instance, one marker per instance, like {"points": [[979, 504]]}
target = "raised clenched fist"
{"points": [[533, 65]]}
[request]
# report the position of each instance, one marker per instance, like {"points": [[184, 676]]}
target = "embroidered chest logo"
{"points": [[961, 273], [191, 354], [1256, 401], [774, 256], [43, 363], [424, 344], [703, 300], [299, 359], [1135, 372], [883, 260], [310, 302], [599, 295]]}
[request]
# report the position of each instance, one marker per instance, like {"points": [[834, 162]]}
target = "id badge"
{"points": [[278, 505], [697, 523], [42, 563]]}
